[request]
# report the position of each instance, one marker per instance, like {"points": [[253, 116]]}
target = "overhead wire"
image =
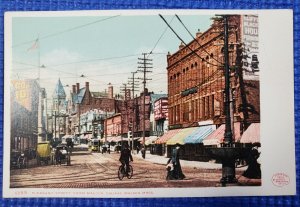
{"points": [[64, 31], [193, 51], [201, 46]]}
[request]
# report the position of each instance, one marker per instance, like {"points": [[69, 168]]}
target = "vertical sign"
{"points": [[250, 47]]}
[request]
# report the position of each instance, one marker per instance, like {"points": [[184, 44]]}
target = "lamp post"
{"points": [[228, 152]]}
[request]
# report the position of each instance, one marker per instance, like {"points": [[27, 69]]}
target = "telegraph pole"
{"points": [[144, 66], [228, 130], [133, 84], [126, 97]]}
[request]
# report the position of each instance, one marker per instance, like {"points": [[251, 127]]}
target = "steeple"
{"points": [[59, 92]]}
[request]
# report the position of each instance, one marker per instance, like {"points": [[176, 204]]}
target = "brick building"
{"points": [[196, 85], [133, 116], [82, 102]]}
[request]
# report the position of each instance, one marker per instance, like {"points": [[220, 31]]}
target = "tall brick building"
{"points": [[196, 82]]}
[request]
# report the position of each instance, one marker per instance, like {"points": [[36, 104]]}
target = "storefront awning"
{"points": [[217, 136], [166, 136], [112, 139], [181, 135], [252, 134], [199, 134], [151, 140]]}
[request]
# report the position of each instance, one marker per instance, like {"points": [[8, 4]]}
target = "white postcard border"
{"points": [[277, 97]]}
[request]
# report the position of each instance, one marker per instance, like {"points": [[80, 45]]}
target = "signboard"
{"points": [[250, 46]]}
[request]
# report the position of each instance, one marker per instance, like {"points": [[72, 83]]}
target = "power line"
{"points": [[185, 43], [165, 30], [201, 47], [64, 31]]}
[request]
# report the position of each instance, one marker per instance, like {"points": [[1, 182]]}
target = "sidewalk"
{"points": [[198, 165], [184, 163]]}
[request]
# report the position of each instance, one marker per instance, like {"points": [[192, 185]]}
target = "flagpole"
{"points": [[39, 58]]}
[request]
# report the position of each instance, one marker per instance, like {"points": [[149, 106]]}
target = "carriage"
{"points": [[44, 154], [62, 154]]}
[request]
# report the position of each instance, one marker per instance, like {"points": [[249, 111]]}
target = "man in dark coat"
{"points": [[126, 156]]}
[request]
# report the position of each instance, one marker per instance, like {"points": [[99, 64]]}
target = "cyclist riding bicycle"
{"points": [[126, 157]]}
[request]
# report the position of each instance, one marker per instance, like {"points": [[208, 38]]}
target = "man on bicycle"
{"points": [[126, 157]]}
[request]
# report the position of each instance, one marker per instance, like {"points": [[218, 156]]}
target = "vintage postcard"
{"points": [[149, 103]]}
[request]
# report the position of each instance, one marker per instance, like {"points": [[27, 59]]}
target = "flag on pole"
{"points": [[34, 46]]}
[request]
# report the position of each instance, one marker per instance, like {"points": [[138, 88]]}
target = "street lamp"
{"points": [[228, 152]]}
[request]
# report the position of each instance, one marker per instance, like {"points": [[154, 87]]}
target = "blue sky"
{"points": [[105, 50]]}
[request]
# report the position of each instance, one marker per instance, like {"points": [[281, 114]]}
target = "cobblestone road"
{"points": [[96, 170]]}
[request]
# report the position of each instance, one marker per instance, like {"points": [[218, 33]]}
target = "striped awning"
{"points": [[181, 135], [217, 136], [252, 134], [199, 134], [166, 136]]}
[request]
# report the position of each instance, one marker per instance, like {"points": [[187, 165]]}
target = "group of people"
{"points": [[174, 171]]}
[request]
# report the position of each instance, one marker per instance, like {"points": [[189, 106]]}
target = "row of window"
{"points": [[195, 110]]}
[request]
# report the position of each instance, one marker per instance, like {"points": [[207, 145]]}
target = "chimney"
{"points": [[110, 91], [87, 86], [168, 58], [181, 46], [73, 89], [198, 34], [77, 87]]}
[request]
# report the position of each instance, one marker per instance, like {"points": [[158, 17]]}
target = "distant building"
{"points": [[161, 115], [133, 115], [59, 111], [24, 114], [87, 110]]}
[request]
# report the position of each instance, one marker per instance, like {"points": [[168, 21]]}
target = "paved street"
{"points": [[96, 170]]}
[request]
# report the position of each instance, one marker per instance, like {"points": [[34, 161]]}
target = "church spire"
{"points": [[59, 92]]}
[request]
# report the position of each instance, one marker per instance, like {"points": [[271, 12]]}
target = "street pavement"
{"points": [[157, 159], [97, 170], [184, 163]]}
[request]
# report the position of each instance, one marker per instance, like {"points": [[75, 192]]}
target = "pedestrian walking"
{"points": [[177, 174], [143, 151]]}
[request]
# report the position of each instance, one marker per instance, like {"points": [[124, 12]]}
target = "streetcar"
{"points": [[94, 145]]}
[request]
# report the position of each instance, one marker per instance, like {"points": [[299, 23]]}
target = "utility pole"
{"points": [[134, 84], [144, 66], [126, 97], [228, 131]]}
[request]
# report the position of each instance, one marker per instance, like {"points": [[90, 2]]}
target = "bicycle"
{"points": [[122, 172]]}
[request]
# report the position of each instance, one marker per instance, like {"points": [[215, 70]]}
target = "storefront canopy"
{"points": [[252, 134], [181, 135], [217, 136], [147, 140], [199, 134], [168, 135], [151, 140], [112, 139]]}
